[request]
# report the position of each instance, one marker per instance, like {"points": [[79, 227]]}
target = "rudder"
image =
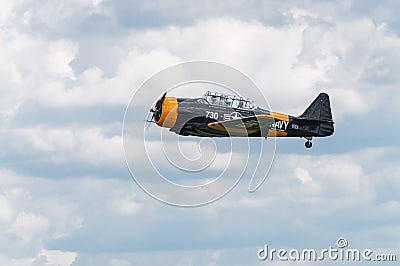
{"points": [[319, 109]]}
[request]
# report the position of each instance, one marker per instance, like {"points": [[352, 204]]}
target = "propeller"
{"points": [[157, 110], [148, 119]]}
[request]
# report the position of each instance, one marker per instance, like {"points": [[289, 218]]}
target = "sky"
{"points": [[69, 69]]}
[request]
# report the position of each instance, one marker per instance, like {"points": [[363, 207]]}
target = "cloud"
{"points": [[69, 144], [54, 257], [27, 72], [338, 186], [299, 63], [43, 258], [7, 211], [28, 226], [93, 89], [32, 215], [304, 57], [117, 262], [302, 175], [60, 55], [124, 206]]}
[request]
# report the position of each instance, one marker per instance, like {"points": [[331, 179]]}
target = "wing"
{"points": [[245, 126]]}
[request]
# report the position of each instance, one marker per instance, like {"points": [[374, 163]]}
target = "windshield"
{"points": [[228, 100]]}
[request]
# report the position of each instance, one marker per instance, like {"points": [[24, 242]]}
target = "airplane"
{"points": [[219, 115]]}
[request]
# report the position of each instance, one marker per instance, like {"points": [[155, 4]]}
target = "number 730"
{"points": [[210, 114]]}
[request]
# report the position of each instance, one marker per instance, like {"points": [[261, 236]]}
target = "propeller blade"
{"points": [[158, 107], [163, 97], [148, 125], [149, 116]]}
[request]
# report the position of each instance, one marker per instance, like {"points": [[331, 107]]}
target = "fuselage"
{"points": [[192, 116]]}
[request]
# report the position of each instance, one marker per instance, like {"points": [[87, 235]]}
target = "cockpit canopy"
{"points": [[228, 100]]}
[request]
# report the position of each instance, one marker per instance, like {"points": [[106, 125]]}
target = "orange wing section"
{"points": [[278, 133], [280, 116]]}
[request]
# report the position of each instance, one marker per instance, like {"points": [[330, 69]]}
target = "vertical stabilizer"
{"points": [[319, 109]]}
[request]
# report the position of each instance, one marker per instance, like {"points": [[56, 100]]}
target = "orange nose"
{"points": [[169, 113]]}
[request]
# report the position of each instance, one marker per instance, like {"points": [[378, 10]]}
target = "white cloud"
{"points": [[16, 262], [34, 210], [56, 257], [338, 186], [118, 262], [302, 174], [70, 144], [92, 88], [331, 176], [32, 64], [7, 210], [60, 55], [347, 101], [290, 63], [28, 226], [44, 258], [7, 10], [124, 206], [251, 202], [97, 148], [192, 154]]}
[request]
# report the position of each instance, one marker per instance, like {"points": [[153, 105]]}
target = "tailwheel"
{"points": [[308, 143]]}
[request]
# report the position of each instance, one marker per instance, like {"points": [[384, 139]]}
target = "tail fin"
{"points": [[319, 109]]}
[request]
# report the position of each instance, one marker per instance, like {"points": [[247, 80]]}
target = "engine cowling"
{"points": [[165, 111]]}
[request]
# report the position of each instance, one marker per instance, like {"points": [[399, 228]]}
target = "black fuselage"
{"points": [[194, 115]]}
